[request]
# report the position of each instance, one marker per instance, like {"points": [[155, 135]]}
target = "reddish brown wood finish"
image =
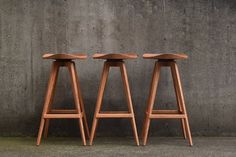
{"points": [[114, 61], [49, 113], [114, 56], [64, 56], [181, 113], [168, 56]]}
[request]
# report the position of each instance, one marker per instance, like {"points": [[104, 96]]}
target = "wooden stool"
{"points": [[167, 60], [114, 60], [48, 112]]}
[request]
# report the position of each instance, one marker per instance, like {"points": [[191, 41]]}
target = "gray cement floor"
{"points": [[118, 147]]}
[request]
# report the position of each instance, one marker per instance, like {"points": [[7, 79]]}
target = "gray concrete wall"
{"points": [[205, 30]]}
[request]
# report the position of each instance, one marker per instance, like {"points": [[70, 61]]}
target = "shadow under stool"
{"points": [[166, 60], [63, 60], [114, 60]]}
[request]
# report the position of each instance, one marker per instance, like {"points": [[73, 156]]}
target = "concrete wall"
{"points": [[205, 30]]}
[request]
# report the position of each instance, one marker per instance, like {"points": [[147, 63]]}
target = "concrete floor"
{"points": [[118, 147]]}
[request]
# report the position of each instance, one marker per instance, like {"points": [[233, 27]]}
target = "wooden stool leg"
{"points": [[99, 99], [46, 127], [82, 107], [177, 94], [71, 67], [51, 82], [182, 102], [129, 100], [47, 121], [151, 99]]}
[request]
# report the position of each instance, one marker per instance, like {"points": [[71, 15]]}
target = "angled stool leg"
{"points": [[82, 107], [151, 99], [180, 92], [47, 121], [175, 82], [49, 95], [129, 100], [99, 99], [72, 71]]}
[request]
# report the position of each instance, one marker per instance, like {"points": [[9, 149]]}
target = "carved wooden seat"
{"points": [[165, 56], [113, 56], [64, 56]]}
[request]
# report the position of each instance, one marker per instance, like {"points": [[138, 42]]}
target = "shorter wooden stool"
{"points": [[166, 60], [49, 113], [114, 60]]}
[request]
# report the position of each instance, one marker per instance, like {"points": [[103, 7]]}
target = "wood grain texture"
{"points": [[99, 100], [114, 114], [47, 121], [129, 99], [151, 100], [168, 56], [115, 56], [76, 94], [49, 113], [48, 98], [177, 94], [64, 56], [181, 113], [178, 86]]}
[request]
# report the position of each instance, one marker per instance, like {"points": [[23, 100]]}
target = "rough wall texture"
{"points": [[205, 30]]}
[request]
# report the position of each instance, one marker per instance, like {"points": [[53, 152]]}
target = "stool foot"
{"points": [[135, 131], [40, 131], [82, 131], [94, 126], [145, 130], [188, 132]]}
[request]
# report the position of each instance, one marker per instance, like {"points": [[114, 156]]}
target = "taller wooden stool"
{"points": [[114, 60], [63, 60], [166, 60]]}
